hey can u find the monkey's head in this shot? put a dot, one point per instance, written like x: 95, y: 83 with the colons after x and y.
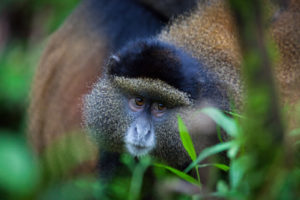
x: 134, y: 105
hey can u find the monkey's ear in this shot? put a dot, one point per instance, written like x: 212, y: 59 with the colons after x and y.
x: 115, y: 58
x: 112, y: 61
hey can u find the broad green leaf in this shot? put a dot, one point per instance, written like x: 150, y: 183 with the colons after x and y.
x: 217, y: 165
x: 233, y: 151
x: 236, y: 173
x: 186, y: 139
x: 208, y: 152
x: 238, y: 168
x: 181, y: 174
x: 227, y: 123
x: 19, y: 171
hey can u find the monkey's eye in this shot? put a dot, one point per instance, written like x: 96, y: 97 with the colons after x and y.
x: 137, y: 104
x: 158, y: 109
x: 139, y: 101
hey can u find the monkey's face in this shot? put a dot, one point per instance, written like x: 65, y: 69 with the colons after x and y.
x: 134, y: 106
x: 126, y: 114
x: 140, y: 136
x: 139, y: 116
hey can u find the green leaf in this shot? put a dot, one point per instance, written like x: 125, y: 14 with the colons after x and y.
x: 227, y: 123
x: 137, y: 177
x: 235, y: 115
x: 208, y: 152
x: 219, y: 133
x: 128, y: 160
x: 19, y: 171
x: 222, y: 187
x: 217, y: 165
x: 186, y: 139
x: 238, y: 169
x: 233, y: 151
x: 222, y: 166
x: 181, y: 174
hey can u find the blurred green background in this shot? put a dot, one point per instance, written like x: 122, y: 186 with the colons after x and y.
x: 25, y: 26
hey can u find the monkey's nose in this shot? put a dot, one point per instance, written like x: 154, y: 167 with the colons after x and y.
x: 142, y: 132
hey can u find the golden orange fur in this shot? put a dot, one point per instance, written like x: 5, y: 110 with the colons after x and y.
x: 286, y: 33
x: 209, y: 34
x: 70, y: 64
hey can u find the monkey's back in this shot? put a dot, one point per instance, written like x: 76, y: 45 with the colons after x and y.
x: 286, y: 33
x: 209, y: 35
x: 71, y: 63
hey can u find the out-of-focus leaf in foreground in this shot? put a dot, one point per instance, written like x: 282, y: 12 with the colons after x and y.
x: 19, y: 172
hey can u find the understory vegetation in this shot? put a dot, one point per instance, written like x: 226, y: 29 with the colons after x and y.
x: 262, y: 160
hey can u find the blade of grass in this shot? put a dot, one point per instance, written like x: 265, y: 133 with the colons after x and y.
x: 186, y: 139
x: 227, y: 123
x: 208, y: 152
x: 188, y: 143
x: 217, y: 165
x: 235, y: 115
x: 219, y: 133
x: 181, y: 174
x: 137, y: 178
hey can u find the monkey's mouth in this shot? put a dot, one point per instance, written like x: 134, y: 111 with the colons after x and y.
x: 138, y: 149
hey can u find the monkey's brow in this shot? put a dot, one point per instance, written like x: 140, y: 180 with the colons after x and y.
x: 153, y: 88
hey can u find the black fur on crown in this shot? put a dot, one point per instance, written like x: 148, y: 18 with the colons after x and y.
x: 154, y: 59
